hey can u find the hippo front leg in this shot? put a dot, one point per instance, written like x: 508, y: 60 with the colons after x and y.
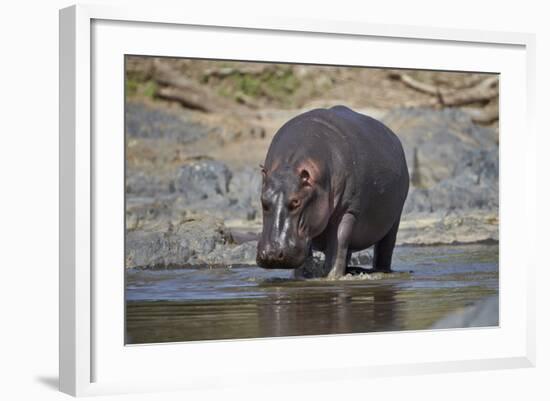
x: 337, y: 253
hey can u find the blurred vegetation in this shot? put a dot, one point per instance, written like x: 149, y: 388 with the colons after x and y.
x: 135, y: 87
x: 219, y: 85
x: 275, y: 84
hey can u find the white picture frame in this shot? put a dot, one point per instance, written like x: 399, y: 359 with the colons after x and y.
x: 93, y: 358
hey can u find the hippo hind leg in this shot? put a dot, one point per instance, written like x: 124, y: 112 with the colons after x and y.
x: 383, y: 250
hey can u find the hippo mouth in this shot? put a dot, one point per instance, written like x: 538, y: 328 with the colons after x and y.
x: 292, y: 260
x: 273, y: 264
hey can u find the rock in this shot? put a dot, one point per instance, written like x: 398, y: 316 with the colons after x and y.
x: 453, y: 162
x: 244, y: 192
x: 241, y: 254
x: 312, y: 268
x: 202, y: 180
x: 241, y: 236
x: 209, y: 186
x: 161, y: 243
x: 142, y: 212
x: 483, y: 313
x: 143, y: 121
x: 361, y: 258
x: 441, y: 140
x: 473, y: 186
x: 189, y: 242
x: 141, y: 184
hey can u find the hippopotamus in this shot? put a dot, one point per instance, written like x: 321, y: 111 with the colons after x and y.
x: 335, y: 181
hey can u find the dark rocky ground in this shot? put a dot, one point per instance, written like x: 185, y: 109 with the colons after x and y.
x: 193, y: 198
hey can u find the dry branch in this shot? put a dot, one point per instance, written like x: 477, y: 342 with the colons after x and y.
x: 419, y: 86
x: 254, y: 69
x: 487, y: 115
x: 185, y: 98
x: 483, y: 91
x: 175, y: 86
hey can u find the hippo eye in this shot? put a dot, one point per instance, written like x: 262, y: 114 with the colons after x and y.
x: 294, y: 204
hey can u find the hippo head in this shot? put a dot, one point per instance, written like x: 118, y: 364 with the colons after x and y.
x: 295, y: 210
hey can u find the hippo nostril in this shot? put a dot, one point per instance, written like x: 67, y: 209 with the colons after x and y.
x: 280, y: 255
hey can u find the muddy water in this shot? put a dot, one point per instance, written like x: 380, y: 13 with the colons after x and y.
x: 247, y: 302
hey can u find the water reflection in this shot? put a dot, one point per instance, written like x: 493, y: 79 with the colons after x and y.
x: 336, y: 310
x: 284, y: 311
x: 249, y: 302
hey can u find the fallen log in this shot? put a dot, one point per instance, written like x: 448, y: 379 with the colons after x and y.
x: 487, y: 115
x: 483, y: 91
x: 173, y: 85
x: 185, y: 98
x: 418, y: 85
x: 253, y: 69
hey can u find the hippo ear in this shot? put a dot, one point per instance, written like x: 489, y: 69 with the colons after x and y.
x: 305, y: 178
x: 262, y: 169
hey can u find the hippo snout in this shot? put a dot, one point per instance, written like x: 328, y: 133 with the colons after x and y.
x: 272, y: 253
x: 273, y: 257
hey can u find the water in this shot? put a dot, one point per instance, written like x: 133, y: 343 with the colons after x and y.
x: 250, y: 302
